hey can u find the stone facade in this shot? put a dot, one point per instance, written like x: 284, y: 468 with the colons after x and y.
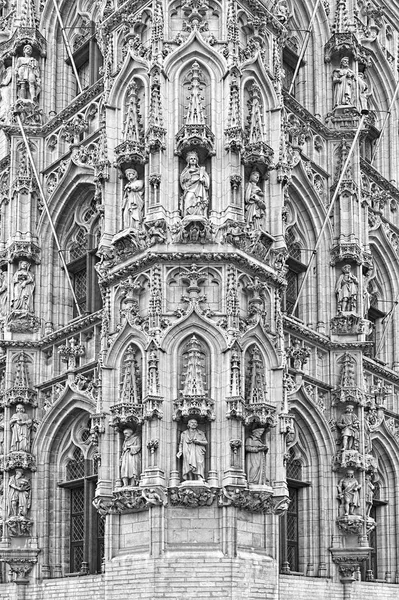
x: 199, y: 237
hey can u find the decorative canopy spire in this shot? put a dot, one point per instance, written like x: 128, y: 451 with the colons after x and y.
x: 195, y: 111
x: 28, y: 14
x: 256, y: 384
x: 21, y: 374
x: 194, y: 378
x: 131, y: 393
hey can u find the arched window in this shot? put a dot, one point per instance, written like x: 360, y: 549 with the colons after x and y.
x: 291, y: 522
x: 86, y: 528
x: 81, y: 245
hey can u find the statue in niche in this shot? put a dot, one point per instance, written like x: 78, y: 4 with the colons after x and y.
x: 369, y: 494
x: 24, y: 285
x: 255, y: 457
x: 193, y: 447
x: 3, y: 294
x: 28, y: 76
x: 346, y: 290
x: 194, y: 181
x: 348, y: 493
x: 344, y: 82
x: 19, y: 494
x: 254, y: 204
x: 131, y: 458
x: 5, y: 90
x: 133, y: 203
x: 21, y: 426
x: 363, y: 91
x: 367, y: 293
x: 349, y: 426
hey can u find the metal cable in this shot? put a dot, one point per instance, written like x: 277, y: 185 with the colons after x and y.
x: 304, y: 46
x: 67, y: 46
x: 46, y: 208
x: 336, y: 192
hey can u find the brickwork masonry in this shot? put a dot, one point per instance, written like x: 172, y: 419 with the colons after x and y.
x: 178, y: 577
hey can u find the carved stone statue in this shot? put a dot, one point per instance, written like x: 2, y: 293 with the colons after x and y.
x: 344, y: 84
x: 131, y: 458
x: 349, y: 426
x: 21, y: 426
x: 19, y: 494
x: 195, y: 183
x: 133, y: 203
x: 255, y: 457
x: 348, y: 493
x: 192, y: 448
x: 24, y: 285
x: 369, y: 494
x: 28, y: 76
x: 3, y: 294
x: 363, y: 91
x: 5, y: 90
x: 254, y: 204
x: 346, y: 290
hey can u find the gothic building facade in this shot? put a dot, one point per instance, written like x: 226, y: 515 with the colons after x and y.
x: 199, y: 239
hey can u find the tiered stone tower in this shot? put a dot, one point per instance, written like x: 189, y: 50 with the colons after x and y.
x: 199, y: 389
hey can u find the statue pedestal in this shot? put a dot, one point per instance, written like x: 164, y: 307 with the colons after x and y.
x: 234, y: 476
x: 153, y: 476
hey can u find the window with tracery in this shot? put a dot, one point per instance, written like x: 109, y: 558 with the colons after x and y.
x: 86, y: 527
x: 81, y: 245
x: 291, y: 522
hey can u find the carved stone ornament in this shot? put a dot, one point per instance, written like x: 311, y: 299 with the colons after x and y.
x: 252, y: 500
x: 19, y: 526
x: 128, y: 500
x: 256, y: 150
x: 298, y: 354
x: 353, y: 524
x: 194, y: 400
x: 133, y: 149
x: 192, y: 495
x: 257, y: 243
x: 15, y: 460
x: 350, y: 324
x: 195, y: 132
x: 20, y: 562
x: 70, y: 352
x: 21, y: 392
x: 126, y: 415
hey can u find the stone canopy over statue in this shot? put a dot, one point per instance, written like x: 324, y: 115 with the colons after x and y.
x: 194, y: 181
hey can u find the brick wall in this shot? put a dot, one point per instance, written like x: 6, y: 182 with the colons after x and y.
x: 181, y: 577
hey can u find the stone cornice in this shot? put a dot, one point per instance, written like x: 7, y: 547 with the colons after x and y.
x: 76, y: 325
x: 378, y: 178
x: 307, y: 116
x: 292, y: 324
x: 147, y: 259
x: 75, y: 106
x: 378, y: 369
